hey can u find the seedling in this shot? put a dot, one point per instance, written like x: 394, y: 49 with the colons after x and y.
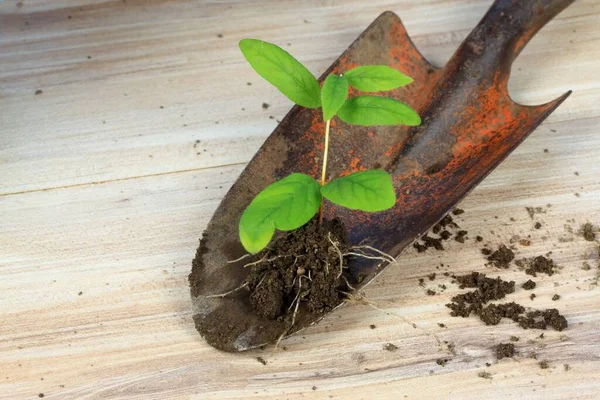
x: 294, y: 200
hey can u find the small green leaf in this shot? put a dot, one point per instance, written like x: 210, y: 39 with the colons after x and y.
x: 375, y: 78
x: 333, y: 95
x: 283, y: 71
x: 372, y: 111
x: 285, y: 205
x: 366, y: 190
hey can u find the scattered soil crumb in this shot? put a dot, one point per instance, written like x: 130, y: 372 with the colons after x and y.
x: 541, y: 264
x: 372, y: 326
x: 261, y: 360
x: 529, y: 285
x: 544, y: 364
x: 479, y: 238
x: 430, y: 292
x: 441, y: 325
x: 586, y: 266
x: 502, y: 257
x: 525, y: 242
x: 514, y: 338
x: 431, y: 276
x: 390, y: 347
x: 587, y: 230
x: 556, y: 297
x: 567, y: 367
x: 458, y: 211
x: 38, y: 92
x: 442, y: 361
x: 532, y: 296
x: 265, y: 106
x: 505, y: 350
x: 535, y: 210
x: 428, y: 242
x: 41, y: 395
x: 495, y: 289
x: 314, y: 388
x: 460, y: 236
x: 486, y: 252
x: 485, y: 375
x: 537, y: 225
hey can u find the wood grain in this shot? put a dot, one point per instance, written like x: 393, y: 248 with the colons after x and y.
x: 103, y: 195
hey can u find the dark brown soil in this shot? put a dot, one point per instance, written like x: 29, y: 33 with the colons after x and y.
x: 487, y: 289
x: 502, y: 257
x: 556, y: 297
x: 505, y: 350
x: 442, y: 229
x: 587, y: 230
x: 261, y: 360
x: 495, y: 289
x: 529, y: 285
x: 540, y: 264
x: 304, y: 266
x: 544, y: 364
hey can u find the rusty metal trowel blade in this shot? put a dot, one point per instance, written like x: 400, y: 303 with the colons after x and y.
x: 469, y: 126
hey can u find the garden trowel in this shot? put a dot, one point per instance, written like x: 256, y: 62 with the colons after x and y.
x: 469, y: 125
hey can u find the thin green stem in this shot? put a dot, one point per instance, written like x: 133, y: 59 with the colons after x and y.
x: 324, y: 168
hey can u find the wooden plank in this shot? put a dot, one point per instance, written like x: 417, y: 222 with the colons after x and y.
x: 85, y: 209
x: 106, y: 71
x: 126, y: 247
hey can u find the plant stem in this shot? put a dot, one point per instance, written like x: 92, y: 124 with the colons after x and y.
x: 324, y: 168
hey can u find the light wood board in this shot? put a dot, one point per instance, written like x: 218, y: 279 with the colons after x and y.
x: 146, y: 118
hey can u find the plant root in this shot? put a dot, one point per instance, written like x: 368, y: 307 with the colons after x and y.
x: 243, y: 285
x: 361, y: 299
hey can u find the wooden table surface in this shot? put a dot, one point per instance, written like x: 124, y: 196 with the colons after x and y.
x: 143, y: 119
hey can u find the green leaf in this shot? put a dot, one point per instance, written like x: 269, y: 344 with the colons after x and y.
x: 333, y: 95
x: 366, y: 190
x: 375, y: 78
x: 372, y: 111
x: 283, y: 71
x: 285, y: 205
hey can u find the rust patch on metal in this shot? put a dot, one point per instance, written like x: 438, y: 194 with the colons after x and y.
x: 470, y: 125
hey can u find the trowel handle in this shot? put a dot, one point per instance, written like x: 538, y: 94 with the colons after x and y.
x: 506, y: 28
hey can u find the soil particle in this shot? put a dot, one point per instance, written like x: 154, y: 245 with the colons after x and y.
x: 38, y: 92
x: 587, y: 230
x: 529, y: 285
x: 372, y: 326
x: 502, y: 257
x: 487, y: 289
x: 390, y: 347
x: 555, y: 297
x: 532, y: 296
x: 458, y: 211
x: 541, y: 264
x: 534, y: 210
x: 265, y: 106
x: 445, y: 235
x: 514, y: 338
x: 537, y: 225
x: 460, y: 236
x: 441, y: 325
x: 505, y: 350
x: 495, y: 289
x: 430, y: 292
x: 567, y: 367
x: 302, y: 265
x: 544, y: 364
x: 479, y: 238
x: 486, y: 252
x: 525, y: 242
x: 261, y: 360
x: 431, y: 276
x: 441, y: 361
x: 484, y: 375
